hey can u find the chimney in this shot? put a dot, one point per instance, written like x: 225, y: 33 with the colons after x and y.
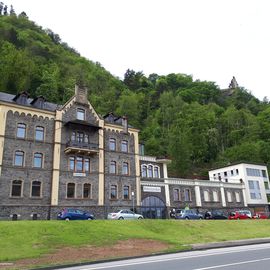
x: 125, y: 124
x: 81, y: 94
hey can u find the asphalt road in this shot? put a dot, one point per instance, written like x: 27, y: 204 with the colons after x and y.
x: 234, y: 258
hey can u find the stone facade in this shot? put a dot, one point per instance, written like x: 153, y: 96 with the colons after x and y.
x: 53, y: 156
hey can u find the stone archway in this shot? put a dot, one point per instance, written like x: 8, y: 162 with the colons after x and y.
x: 153, y: 207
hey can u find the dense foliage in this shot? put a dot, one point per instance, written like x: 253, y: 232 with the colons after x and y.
x: 193, y: 122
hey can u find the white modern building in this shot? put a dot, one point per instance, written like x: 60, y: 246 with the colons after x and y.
x: 254, y: 177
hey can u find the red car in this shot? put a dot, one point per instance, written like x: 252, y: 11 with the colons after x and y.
x: 240, y: 214
x: 260, y: 215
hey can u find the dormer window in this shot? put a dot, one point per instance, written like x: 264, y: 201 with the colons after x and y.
x: 81, y: 114
x: 21, y: 98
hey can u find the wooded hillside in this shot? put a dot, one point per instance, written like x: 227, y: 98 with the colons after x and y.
x: 193, y: 122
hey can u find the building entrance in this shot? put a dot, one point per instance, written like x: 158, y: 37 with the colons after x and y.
x: 153, y: 207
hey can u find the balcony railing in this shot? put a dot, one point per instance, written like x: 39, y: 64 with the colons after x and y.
x: 81, y: 147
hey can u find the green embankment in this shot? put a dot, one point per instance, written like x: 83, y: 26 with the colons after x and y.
x: 28, y: 239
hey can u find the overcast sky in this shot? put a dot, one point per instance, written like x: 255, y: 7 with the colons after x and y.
x: 209, y: 39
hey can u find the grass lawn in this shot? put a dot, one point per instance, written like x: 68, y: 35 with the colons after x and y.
x: 29, y: 239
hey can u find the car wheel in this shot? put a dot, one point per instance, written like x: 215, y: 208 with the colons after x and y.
x: 200, y: 218
x: 186, y: 218
x: 67, y: 218
x: 121, y: 218
x: 238, y: 218
x: 139, y: 217
x: 89, y: 218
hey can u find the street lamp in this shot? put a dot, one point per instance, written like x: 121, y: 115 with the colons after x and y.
x: 132, y: 195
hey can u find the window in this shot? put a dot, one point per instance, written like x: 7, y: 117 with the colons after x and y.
x: 126, y: 193
x: 72, y: 163
x: 113, y: 167
x: 255, y: 192
x: 214, y: 175
x: 70, y: 190
x: 206, y: 196
x: 237, y: 197
x: 225, y: 173
x: 187, y: 195
x: 253, y: 172
x: 21, y: 130
x: 150, y: 171
x: 144, y: 171
x: 229, y: 196
x: 176, y: 194
x: 125, y: 168
x: 113, y: 192
x: 266, y: 185
x: 19, y: 158
x: 38, y: 159
x: 264, y: 173
x: 215, y: 196
x: 86, y: 164
x: 156, y: 172
x: 80, y: 114
x: 86, y: 191
x: 124, y: 146
x: 79, y: 137
x: 16, y: 189
x: 39, y: 135
x: 73, y: 136
x: 79, y: 164
x: 237, y: 171
x: 86, y: 138
x: 112, y: 145
x: 231, y: 172
x: 36, y: 189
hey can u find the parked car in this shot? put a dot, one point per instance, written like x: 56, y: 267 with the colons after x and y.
x: 124, y: 214
x: 240, y: 214
x: 260, y: 215
x: 215, y: 214
x: 187, y: 214
x: 74, y: 214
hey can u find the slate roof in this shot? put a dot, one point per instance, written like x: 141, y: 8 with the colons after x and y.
x: 47, y: 105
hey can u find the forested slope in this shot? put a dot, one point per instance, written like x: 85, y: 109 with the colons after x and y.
x: 193, y: 122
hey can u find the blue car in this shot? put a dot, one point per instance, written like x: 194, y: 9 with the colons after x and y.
x: 74, y: 214
x: 187, y: 214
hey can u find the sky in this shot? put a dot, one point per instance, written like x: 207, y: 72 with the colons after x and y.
x: 208, y: 39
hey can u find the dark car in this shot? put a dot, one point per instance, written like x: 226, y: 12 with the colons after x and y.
x: 215, y: 214
x: 74, y: 214
x: 187, y: 214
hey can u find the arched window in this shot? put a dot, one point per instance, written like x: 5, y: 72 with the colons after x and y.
x: 156, y: 172
x: 176, y: 194
x: 112, y: 144
x: 150, y: 171
x: 39, y: 133
x: 16, y: 188
x: 87, y: 191
x: 144, y: 171
x: 113, y: 192
x: 206, y: 196
x: 126, y: 193
x: 237, y: 197
x: 21, y: 130
x: 19, y: 158
x: 125, y: 168
x: 36, y: 189
x: 70, y: 190
x: 38, y: 160
x: 229, y: 196
x: 124, y: 146
x: 113, y: 167
x: 215, y: 196
x: 187, y: 195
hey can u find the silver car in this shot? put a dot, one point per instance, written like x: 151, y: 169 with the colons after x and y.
x: 124, y: 214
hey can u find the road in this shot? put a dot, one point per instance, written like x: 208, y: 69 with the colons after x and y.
x: 233, y: 258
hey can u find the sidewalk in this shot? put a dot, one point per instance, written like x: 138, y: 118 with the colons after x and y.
x: 231, y: 243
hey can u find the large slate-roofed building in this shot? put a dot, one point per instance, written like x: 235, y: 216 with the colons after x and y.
x: 56, y: 156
